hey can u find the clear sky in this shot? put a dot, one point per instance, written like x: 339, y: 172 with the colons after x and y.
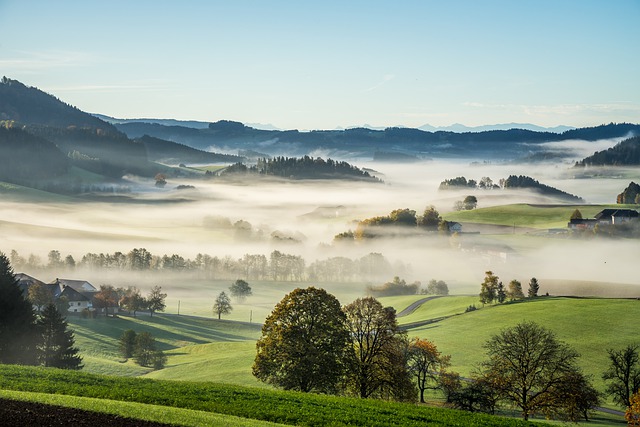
x: 327, y: 64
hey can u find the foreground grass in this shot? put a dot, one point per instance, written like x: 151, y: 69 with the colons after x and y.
x: 245, y: 402
x: 140, y: 411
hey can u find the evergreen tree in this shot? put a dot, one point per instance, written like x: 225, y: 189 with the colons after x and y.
x: 17, y: 331
x: 55, y: 348
x: 534, y: 287
x: 127, y: 343
x: 501, y: 295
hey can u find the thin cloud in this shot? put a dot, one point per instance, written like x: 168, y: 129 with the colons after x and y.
x: 38, y: 61
x: 387, y: 78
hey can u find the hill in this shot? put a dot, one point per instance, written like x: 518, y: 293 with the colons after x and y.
x: 365, y: 142
x: 625, y: 153
x: 173, y: 153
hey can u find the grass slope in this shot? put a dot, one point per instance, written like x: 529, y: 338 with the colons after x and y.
x: 527, y: 215
x: 246, y: 402
x: 140, y: 411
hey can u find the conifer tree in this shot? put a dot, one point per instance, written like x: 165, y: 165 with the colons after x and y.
x: 17, y: 332
x: 56, y: 344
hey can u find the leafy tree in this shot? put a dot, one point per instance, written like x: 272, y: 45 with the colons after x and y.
x: 304, y: 344
x: 427, y: 364
x: 576, y: 214
x: 145, y: 352
x: 623, y: 374
x: 577, y: 398
x: 397, y: 286
x: 528, y: 366
x: 515, y: 290
x: 240, y: 290
x: 155, y: 300
x: 437, y: 287
x: 55, y: 259
x: 222, y: 305
x: 40, y: 295
x: 485, y: 182
x: 403, y: 217
x: 127, y: 343
x: 470, y: 203
x: 632, y: 414
x: 106, y: 298
x: 132, y: 300
x: 488, y: 288
x: 374, y: 333
x: 55, y: 346
x: 430, y: 219
x: 17, y: 319
x: 534, y: 288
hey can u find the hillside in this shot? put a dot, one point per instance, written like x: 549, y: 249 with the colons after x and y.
x: 364, y: 142
x: 625, y: 153
x: 173, y: 153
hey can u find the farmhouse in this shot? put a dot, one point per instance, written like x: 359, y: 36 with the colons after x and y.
x: 604, y: 217
x: 79, y: 293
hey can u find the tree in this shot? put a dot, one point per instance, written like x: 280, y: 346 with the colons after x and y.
x: 427, y: 364
x: 145, y: 352
x: 132, y: 300
x: 240, y: 290
x: 127, y: 343
x: 576, y: 214
x: 437, y: 287
x: 106, y: 298
x: 632, y: 414
x: 488, y: 288
x: 222, y: 305
x: 374, y: 332
x: 39, y: 295
x: 430, y: 219
x: 17, y: 319
x: 155, y: 300
x: 304, y: 343
x: 515, y: 290
x: 501, y: 295
x: 534, y: 288
x: 470, y: 203
x: 55, y: 346
x: 623, y: 374
x: 576, y: 397
x: 528, y: 366
x: 55, y: 259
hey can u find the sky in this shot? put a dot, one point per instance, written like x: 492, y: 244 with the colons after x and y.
x: 332, y: 64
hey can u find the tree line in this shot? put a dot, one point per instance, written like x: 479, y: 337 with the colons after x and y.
x: 305, y: 167
x: 276, y: 266
x: 310, y: 343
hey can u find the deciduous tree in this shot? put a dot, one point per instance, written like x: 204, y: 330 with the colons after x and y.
x: 132, y: 300
x: 155, y: 300
x: 55, y: 346
x: 528, y: 366
x: 222, y: 305
x: 40, y: 295
x: 515, y: 290
x: 623, y: 374
x: 488, y: 288
x: 240, y: 290
x: 304, y: 344
x: 427, y: 365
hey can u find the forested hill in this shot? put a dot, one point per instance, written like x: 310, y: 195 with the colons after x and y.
x: 303, y: 168
x: 366, y: 142
x: 29, y: 105
x: 527, y: 182
x: 625, y: 153
x: 160, y: 150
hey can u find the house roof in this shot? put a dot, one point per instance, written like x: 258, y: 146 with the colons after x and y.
x: 25, y: 281
x: 77, y: 285
x: 618, y: 213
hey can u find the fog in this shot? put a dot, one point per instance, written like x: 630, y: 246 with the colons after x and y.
x: 306, y: 215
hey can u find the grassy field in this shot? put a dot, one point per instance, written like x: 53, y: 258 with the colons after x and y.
x: 527, y: 215
x: 293, y: 408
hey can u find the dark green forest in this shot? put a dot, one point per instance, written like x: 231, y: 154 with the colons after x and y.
x: 625, y: 153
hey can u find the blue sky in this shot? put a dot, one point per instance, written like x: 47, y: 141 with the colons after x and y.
x: 328, y: 64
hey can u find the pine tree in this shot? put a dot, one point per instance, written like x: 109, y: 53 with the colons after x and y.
x: 501, y: 295
x: 17, y: 332
x: 56, y: 347
x: 534, y: 287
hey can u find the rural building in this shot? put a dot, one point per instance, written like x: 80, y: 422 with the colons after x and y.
x: 604, y: 217
x: 79, y: 293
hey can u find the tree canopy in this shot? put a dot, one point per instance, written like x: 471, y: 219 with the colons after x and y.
x: 304, y: 343
x: 56, y: 344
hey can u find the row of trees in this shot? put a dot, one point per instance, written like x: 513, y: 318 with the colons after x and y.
x: 30, y: 339
x: 399, y: 286
x: 276, y: 266
x: 492, y: 290
x: 312, y: 344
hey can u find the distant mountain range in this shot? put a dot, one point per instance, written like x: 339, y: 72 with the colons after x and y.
x: 69, y: 138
